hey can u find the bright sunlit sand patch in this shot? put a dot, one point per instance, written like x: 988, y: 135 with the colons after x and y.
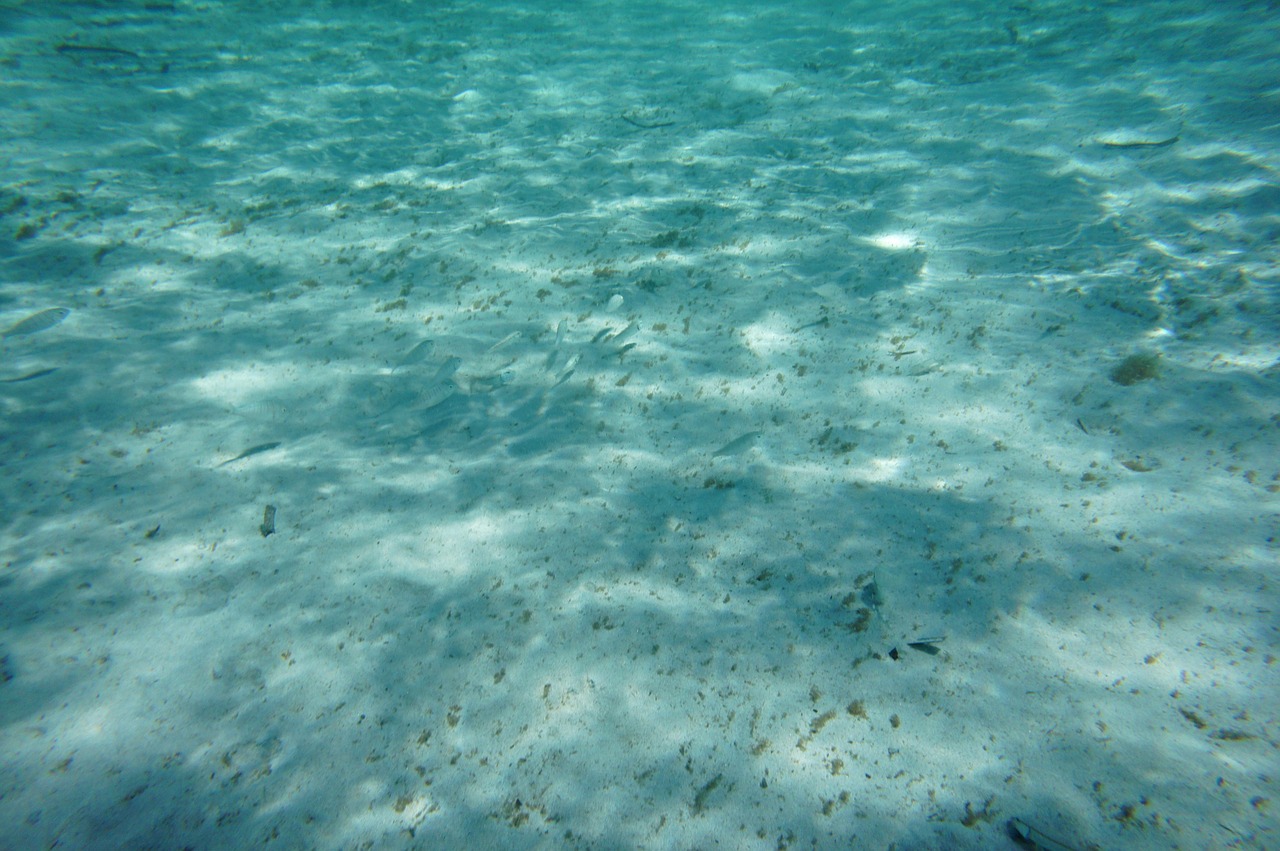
x: 881, y: 470
x: 768, y: 338
x: 240, y: 387
x: 896, y: 241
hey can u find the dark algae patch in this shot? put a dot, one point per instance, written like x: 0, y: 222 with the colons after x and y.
x: 816, y: 725
x: 1135, y: 368
x: 268, y: 525
x: 700, y: 798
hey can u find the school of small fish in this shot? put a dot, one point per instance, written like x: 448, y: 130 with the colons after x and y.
x: 421, y: 382
x: 440, y: 386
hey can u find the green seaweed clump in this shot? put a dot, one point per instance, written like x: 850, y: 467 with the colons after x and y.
x: 1135, y: 368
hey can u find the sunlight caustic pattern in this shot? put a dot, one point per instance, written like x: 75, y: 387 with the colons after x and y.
x: 849, y: 425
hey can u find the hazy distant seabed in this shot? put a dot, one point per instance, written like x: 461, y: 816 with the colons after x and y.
x: 669, y: 425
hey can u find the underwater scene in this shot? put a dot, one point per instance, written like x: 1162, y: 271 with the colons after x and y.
x: 664, y: 425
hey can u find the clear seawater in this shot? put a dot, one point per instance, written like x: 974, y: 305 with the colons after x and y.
x: 639, y: 425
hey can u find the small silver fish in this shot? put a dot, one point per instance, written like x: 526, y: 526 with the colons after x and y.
x: 433, y: 395
x: 514, y: 335
x: 262, y: 447
x: 39, y: 373
x: 737, y: 445
x: 1036, y: 839
x: 419, y: 353
x: 485, y: 383
x: 624, y: 335
x: 36, y: 322
x: 447, y: 369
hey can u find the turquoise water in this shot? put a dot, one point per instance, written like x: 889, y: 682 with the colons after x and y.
x: 613, y: 425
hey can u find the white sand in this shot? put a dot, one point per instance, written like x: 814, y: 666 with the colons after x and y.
x: 906, y: 242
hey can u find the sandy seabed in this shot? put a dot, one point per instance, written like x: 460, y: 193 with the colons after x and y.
x: 666, y: 425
